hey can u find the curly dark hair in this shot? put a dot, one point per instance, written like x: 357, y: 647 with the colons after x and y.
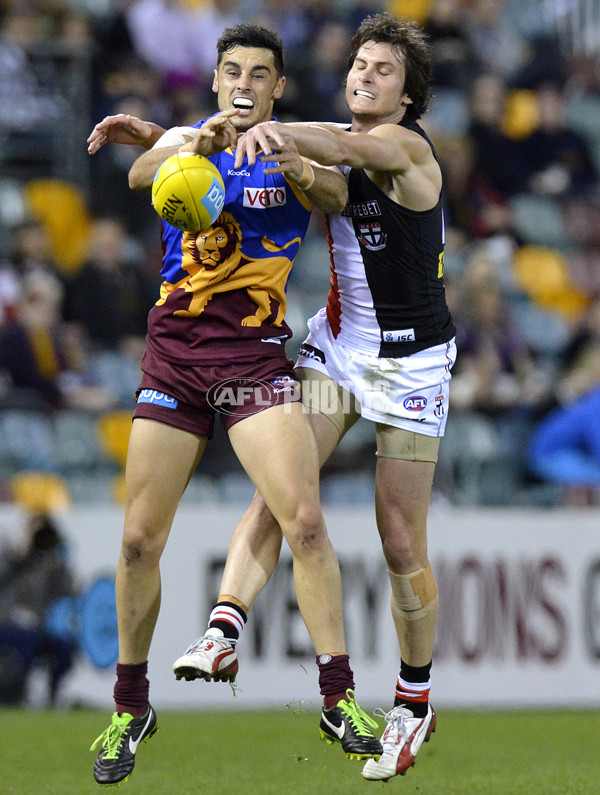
x: 247, y: 35
x: 410, y: 39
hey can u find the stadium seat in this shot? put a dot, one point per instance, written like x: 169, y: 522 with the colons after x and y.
x: 40, y: 492
x: 92, y: 487
x: 583, y: 114
x: 348, y: 489
x: 480, y: 461
x: 113, y: 430
x: 77, y: 443
x: 27, y: 440
x: 116, y: 373
x: 544, y: 331
x: 521, y: 117
x: 236, y: 488
x: 544, y: 275
x: 538, y: 220
x: 202, y: 489
x: 13, y: 206
x: 311, y: 267
x: 415, y: 9
x: 448, y: 116
x: 61, y: 207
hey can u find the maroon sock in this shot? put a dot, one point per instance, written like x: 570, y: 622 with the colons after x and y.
x: 131, y: 689
x: 335, y: 677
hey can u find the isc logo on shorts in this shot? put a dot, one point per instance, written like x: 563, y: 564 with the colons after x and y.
x: 400, y: 335
x: 158, y: 398
x: 415, y: 403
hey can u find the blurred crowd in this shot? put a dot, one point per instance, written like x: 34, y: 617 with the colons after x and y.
x: 37, y: 631
x: 516, y: 120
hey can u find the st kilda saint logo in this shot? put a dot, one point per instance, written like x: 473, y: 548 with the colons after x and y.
x: 371, y: 236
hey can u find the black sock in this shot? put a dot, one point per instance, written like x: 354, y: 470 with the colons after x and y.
x: 229, y: 618
x: 412, y: 688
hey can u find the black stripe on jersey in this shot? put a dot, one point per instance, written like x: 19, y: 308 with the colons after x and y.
x: 401, y: 251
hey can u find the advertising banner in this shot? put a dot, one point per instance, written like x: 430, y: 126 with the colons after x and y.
x: 519, y: 620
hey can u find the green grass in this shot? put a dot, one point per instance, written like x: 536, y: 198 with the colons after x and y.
x: 279, y: 753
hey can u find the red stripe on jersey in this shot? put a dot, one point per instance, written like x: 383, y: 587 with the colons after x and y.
x: 334, y: 306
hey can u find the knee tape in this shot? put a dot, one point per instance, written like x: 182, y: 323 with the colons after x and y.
x: 414, y: 595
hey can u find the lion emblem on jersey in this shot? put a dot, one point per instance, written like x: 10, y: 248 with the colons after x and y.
x: 218, y: 245
x: 215, y: 263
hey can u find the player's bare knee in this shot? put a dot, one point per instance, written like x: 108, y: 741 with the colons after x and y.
x: 310, y: 518
x: 139, y: 548
x: 132, y: 553
x: 307, y: 530
x: 414, y: 595
x: 399, y: 553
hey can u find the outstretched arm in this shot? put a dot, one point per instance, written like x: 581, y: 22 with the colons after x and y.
x: 123, y: 129
x: 398, y: 160
x: 216, y: 134
x: 324, y: 187
x: 387, y: 147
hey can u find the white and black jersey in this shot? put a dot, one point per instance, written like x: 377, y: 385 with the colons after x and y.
x: 387, y: 292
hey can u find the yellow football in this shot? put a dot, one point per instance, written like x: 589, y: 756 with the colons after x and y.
x: 188, y: 192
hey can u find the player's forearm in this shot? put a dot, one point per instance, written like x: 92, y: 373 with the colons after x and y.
x: 320, y: 142
x: 391, y: 149
x: 156, y: 132
x: 328, y: 192
x: 145, y: 167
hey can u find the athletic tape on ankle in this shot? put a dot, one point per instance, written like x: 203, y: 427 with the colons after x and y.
x: 414, y: 595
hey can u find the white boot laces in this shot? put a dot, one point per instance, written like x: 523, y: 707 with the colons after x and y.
x: 396, y: 728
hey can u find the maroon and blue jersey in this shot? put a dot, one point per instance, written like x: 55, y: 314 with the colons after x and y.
x: 226, y: 285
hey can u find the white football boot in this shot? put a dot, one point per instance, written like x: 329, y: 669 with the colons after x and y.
x: 401, y: 740
x: 211, y: 657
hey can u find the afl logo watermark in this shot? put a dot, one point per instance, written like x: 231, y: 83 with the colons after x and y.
x: 239, y: 396
x: 246, y: 396
x: 415, y: 403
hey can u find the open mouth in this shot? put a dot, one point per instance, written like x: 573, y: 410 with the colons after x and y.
x: 366, y: 94
x: 243, y: 103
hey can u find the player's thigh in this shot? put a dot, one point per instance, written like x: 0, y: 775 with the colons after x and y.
x: 160, y: 461
x: 277, y: 448
x: 404, y: 478
x: 332, y: 410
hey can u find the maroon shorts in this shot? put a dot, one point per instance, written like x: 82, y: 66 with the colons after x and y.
x: 189, y: 396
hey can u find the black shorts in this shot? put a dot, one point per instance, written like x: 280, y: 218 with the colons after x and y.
x: 189, y: 397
